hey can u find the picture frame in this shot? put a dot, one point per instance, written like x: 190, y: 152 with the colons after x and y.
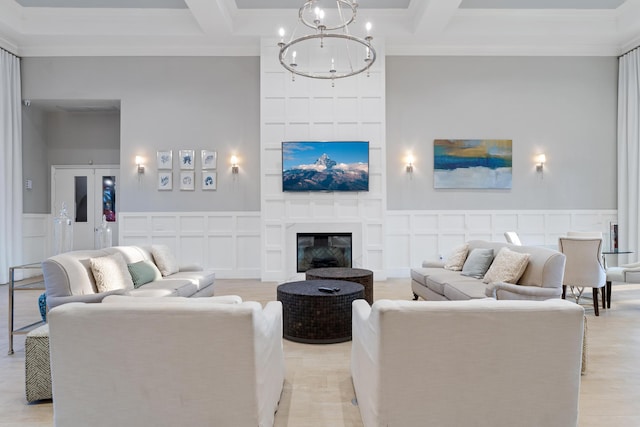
x: 209, y: 159
x: 187, y: 181
x: 165, y: 181
x: 187, y: 159
x: 164, y: 159
x: 209, y: 181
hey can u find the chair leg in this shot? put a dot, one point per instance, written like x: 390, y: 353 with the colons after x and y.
x: 564, y: 291
x: 595, y: 301
x: 415, y: 296
x: 608, y: 286
x: 604, y: 297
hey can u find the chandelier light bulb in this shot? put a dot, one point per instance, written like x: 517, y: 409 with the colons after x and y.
x: 368, y: 27
x: 293, y: 56
x: 281, y: 32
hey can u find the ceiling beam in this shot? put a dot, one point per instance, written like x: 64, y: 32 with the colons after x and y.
x: 213, y: 17
x: 433, y: 16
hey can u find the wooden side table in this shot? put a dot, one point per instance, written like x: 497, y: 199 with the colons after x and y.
x: 356, y: 275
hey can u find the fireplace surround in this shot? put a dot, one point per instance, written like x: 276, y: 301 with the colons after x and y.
x: 321, y: 250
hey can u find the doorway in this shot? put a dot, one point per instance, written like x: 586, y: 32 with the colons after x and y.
x: 88, y: 193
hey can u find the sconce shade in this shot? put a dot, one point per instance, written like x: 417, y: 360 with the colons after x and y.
x: 234, y: 164
x: 139, y: 161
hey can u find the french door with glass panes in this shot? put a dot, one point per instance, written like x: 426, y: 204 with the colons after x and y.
x: 88, y: 193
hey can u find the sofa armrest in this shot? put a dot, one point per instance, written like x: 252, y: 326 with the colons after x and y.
x: 88, y: 298
x: 433, y: 264
x: 501, y: 290
x: 190, y: 267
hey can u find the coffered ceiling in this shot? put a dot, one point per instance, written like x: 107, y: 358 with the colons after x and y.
x: 235, y: 27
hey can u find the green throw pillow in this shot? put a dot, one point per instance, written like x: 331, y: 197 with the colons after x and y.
x: 143, y: 272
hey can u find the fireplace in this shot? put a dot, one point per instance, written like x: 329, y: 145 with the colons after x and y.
x: 319, y: 250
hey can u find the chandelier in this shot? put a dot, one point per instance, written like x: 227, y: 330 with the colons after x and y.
x: 330, y: 51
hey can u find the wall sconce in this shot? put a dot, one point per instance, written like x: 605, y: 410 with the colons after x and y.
x: 409, y: 166
x: 540, y: 160
x: 139, y: 161
x: 234, y: 164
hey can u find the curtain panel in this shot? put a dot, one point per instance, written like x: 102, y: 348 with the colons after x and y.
x: 629, y: 151
x: 10, y: 164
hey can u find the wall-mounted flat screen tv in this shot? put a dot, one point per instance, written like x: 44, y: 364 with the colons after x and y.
x: 325, y: 166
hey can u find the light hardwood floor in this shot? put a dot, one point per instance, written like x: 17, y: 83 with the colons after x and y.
x: 318, y: 391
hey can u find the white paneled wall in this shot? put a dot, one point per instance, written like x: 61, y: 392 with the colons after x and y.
x: 227, y: 242
x: 414, y: 236
x: 312, y: 110
x: 36, y: 241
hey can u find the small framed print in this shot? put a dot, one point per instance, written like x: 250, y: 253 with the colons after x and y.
x: 165, y: 159
x: 209, y: 180
x: 187, y: 181
x: 187, y: 160
x: 209, y: 159
x: 165, y: 180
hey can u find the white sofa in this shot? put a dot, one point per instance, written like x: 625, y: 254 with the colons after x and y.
x: 166, y: 362
x: 467, y: 363
x: 542, y: 278
x: 68, y: 277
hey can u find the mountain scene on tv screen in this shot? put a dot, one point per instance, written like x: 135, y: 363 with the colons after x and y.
x: 327, y: 175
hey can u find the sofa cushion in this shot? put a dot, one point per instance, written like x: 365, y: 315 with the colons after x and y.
x: 201, y: 279
x: 420, y: 274
x: 111, y: 272
x: 457, y: 258
x: 477, y: 263
x: 164, y: 259
x: 507, y: 267
x: 166, y: 287
x: 143, y: 272
x: 464, y: 290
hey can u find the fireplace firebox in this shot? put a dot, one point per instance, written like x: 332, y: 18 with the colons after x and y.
x: 321, y: 250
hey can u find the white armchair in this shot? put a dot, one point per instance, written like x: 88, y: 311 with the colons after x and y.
x: 626, y: 273
x: 583, y: 268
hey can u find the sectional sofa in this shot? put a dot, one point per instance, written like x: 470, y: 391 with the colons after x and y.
x: 91, y: 275
x: 540, y: 280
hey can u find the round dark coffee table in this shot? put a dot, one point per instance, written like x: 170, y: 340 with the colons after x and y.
x: 315, y: 317
x: 357, y: 275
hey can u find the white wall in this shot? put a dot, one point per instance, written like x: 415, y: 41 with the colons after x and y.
x: 563, y: 107
x: 308, y: 109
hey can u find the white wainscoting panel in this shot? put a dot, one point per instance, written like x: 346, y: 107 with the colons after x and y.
x: 227, y: 242
x: 36, y: 243
x: 312, y: 110
x: 415, y: 236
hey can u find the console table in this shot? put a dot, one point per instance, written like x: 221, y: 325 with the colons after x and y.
x: 32, y: 286
x: 356, y: 275
x: 315, y: 317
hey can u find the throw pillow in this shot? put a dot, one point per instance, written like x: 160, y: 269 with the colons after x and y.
x: 457, y: 258
x: 477, y: 263
x: 110, y: 273
x: 164, y: 259
x: 143, y: 272
x: 507, y: 267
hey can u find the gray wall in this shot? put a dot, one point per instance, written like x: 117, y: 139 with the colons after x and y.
x: 563, y: 107
x: 83, y: 138
x: 34, y: 161
x: 168, y: 103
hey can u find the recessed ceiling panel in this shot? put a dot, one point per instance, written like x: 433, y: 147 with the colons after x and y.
x: 541, y: 4
x: 106, y: 4
x: 296, y: 4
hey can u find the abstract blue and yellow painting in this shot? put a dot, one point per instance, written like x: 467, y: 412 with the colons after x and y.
x: 472, y: 163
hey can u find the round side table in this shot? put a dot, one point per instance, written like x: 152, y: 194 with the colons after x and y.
x: 356, y: 275
x: 315, y: 317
